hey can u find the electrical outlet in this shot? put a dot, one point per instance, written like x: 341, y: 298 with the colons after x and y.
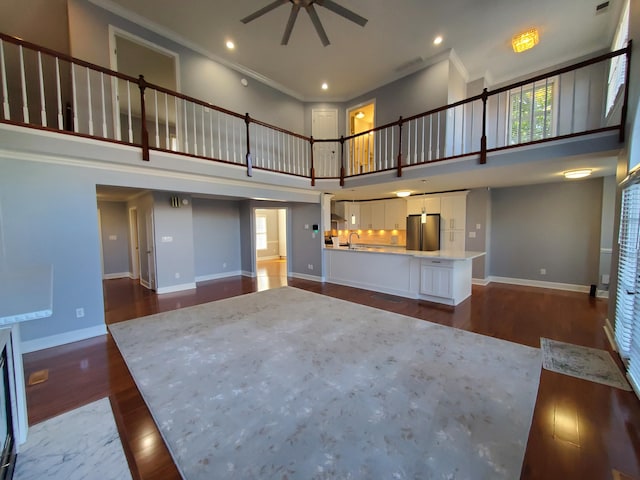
x: 310, y: 266
x: 478, y: 226
x: 543, y: 271
x: 224, y: 265
x: 79, y: 312
x: 472, y: 234
x: 177, y: 275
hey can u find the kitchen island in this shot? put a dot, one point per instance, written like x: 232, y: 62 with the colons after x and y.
x: 440, y: 276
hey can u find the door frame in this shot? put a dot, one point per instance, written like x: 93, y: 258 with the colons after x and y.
x: 351, y: 108
x: 254, y: 251
x: 113, y: 65
x: 134, y: 242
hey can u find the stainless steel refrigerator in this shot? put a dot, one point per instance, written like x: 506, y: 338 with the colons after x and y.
x: 423, y: 236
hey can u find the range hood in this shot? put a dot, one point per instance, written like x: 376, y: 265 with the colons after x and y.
x: 337, y: 218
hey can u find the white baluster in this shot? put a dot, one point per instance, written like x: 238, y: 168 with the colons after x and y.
x: 43, y: 107
x: 23, y: 83
x: 415, y: 143
x: 195, y: 130
x: 204, y: 138
x: 409, y: 142
x: 5, y: 95
x: 186, y: 132
x: 226, y: 136
x: 167, y: 143
x: 211, y: 132
x: 177, y: 127
x: 233, y: 138
x: 155, y: 101
x: 129, y: 112
x: 74, y: 91
x: 219, y: 138
x: 59, y: 95
x: 89, y: 105
x: 104, y: 109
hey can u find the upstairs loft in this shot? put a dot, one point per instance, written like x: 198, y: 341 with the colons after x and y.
x: 575, y: 110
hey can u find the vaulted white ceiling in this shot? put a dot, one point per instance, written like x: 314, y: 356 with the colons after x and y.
x: 396, y: 41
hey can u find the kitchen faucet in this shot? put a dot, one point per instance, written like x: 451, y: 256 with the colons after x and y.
x: 349, y: 240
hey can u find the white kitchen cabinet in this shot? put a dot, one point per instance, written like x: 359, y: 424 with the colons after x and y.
x: 453, y: 211
x: 453, y: 219
x: 395, y: 214
x: 430, y: 203
x: 351, y: 213
x: 372, y: 215
x: 326, y: 212
x: 436, y: 280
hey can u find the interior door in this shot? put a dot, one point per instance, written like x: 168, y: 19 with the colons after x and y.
x: 151, y: 251
x: 134, y: 247
x: 326, y: 155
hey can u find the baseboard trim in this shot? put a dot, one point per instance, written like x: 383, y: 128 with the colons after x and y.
x: 270, y: 257
x: 113, y: 276
x: 145, y: 284
x: 541, y: 284
x: 217, y: 276
x: 62, y: 338
x: 244, y: 273
x: 176, y: 288
x: 608, y: 330
x: 304, y: 276
x: 480, y: 281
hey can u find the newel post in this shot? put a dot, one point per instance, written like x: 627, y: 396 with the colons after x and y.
x: 313, y: 170
x: 400, y: 147
x: 342, y: 160
x: 483, y: 139
x: 142, y: 85
x: 247, y: 121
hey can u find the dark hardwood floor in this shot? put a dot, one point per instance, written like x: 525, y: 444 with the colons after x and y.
x: 580, y: 430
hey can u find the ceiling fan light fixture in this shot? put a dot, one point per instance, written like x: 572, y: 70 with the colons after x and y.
x: 525, y: 40
x: 360, y: 115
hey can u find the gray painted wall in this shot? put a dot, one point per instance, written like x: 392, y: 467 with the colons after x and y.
x: 175, y: 257
x: 607, y: 234
x: 246, y: 237
x: 479, y: 213
x: 49, y: 217
x: 305, y: 250
x: 554, y: 226
x: 216, y: 236
x: 115, y: 237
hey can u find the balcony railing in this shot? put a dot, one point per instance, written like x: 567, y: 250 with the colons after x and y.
x: 45, y: 89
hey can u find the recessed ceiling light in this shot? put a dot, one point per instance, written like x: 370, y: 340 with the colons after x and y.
x: 230, y: 45
x: 437, y: 40
x: 585, y: 172
x: 360, y: 115
x: 325, y: 86
x: 403, y: 193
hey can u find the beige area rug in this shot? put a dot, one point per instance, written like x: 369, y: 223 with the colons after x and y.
x: 288, y: 384
x: 82, y: 444
x: 586, y: 363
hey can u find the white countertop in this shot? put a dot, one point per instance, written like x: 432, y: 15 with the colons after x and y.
x: 441, y: 254
x: 26, y: 294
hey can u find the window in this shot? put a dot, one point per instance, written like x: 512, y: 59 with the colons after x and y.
x: 627, y: 327
x: 531, y: 112
x: 261, y: 233
x: 618, y: 67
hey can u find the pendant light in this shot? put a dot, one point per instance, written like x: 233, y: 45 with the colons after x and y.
x: 423, y: 217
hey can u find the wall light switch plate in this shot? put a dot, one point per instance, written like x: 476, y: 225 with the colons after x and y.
x: 167, y: 239
x: 113, y: 237
x: 478, y: 226
x: 472, y: 234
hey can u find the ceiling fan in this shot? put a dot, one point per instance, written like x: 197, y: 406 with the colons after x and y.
x: 313, y: 15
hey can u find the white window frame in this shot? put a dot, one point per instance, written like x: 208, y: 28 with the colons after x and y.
x: 261, y: 232
x: 552, y: 82
x: 618, y: 66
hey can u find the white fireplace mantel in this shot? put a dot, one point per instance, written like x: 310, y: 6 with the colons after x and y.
x: 25, y: 294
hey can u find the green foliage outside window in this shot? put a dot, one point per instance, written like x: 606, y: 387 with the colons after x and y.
x: 531, y: 115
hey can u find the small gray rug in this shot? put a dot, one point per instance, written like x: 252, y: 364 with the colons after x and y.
x: 586, y: 363
x: 288, y: 384
x: 77, y: 445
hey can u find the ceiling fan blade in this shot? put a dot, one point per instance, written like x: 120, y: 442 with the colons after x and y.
x: 342, y: 11
x: 263, y: 10
x: 290, y: 23
x: 313, y: 15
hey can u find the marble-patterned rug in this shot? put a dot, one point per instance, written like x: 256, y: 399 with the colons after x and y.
x: 81, y: 444
x: 290, y: 384
x: 586, y: 363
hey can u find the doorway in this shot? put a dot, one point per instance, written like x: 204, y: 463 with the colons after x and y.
x: 134, y: 245
x: 271, y: 243
x: 361, y: 118
x: 135, y: 56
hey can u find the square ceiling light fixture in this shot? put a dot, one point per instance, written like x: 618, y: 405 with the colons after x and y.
x: 525, y: 40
